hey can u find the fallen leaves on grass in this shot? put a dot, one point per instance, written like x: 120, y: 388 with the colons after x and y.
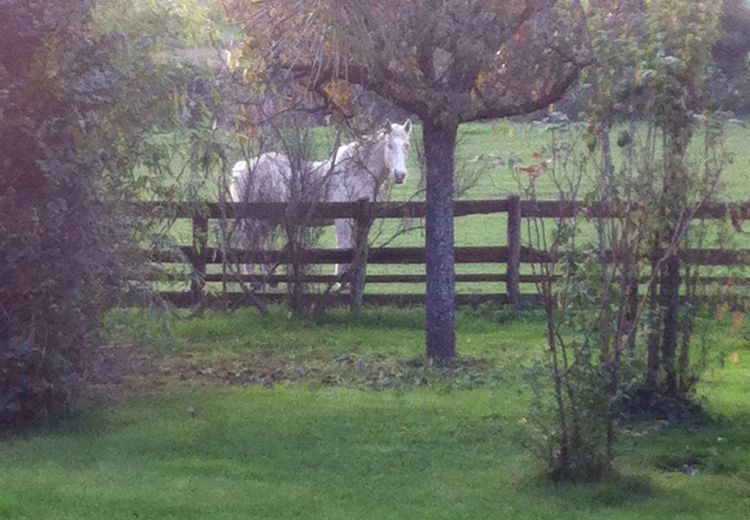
x: 375, y: 371
x: 120, y: 371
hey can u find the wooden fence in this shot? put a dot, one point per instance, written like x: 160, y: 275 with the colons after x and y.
x: 513, y: 254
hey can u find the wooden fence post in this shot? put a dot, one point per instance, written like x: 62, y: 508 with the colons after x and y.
x: 358, y: 267
x: 513, y: 271
x: 199, y: 258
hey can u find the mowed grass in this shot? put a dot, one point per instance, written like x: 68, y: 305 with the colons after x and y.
x: 341, y: 452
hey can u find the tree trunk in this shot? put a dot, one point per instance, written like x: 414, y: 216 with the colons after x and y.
x: 358, y: 269
x: 513, y: 234
x: 676, y: 142
x: 439, y: 148
x: 654, y: 332
x: 605, y: 306
x: 671, y: 293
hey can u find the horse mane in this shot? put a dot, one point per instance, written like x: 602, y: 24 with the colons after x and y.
x: 350, y: 150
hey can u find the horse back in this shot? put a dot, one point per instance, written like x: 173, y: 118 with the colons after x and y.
x: 263, y: 178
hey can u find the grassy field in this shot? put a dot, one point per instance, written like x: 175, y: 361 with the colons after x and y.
x: 374, y: 442
x: 520, y: 141
x: 481, y: 147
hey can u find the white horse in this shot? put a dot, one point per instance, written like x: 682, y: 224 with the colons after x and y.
x: 356, y: 171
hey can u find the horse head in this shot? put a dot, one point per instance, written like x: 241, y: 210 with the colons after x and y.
x: 396, y: 149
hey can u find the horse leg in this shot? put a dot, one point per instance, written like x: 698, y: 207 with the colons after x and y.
x: 269, y: 268
x: 239, y: 241
x: 252, y: 240
x: 344, y: 234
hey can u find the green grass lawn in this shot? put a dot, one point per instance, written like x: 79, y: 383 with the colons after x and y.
x: 451, y: 448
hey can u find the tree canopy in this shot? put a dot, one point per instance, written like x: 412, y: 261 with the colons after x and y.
x: 448, y: 62
x: 461, y: 60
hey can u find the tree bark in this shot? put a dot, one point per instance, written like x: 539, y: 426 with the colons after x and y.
x: 654, y: 334
x: 358, y: 269
x: 671, y: 293
x: 513, y: 234
x: 439, y: 149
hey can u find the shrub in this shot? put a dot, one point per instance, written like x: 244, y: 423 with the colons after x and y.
x: 99, y: 102
x: 34, y: 383
x: 601, y: 329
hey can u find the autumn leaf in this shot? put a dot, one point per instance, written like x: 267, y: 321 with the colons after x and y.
x: 481, y: 81
x: 341, y: 94
x: 737, y: 320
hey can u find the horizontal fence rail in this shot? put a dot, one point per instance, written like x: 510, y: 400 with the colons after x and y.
x: 199, y: 256
x: 416, y: 255
x: 183, y: 299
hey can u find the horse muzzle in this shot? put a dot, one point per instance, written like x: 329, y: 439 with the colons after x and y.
x: 399, y: 177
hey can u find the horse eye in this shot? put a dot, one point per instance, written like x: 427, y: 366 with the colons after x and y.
x: 390, y: 146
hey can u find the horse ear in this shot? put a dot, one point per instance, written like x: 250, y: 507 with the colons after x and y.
x: 407, y: 126
x: 387, y: 126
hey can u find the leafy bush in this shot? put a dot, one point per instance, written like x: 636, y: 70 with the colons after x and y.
x: 607, y: 343
x: 33, y: 383
x: 54, y: 258
x: 76, y: 101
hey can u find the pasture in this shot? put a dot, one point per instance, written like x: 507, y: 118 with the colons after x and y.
x: 486, y: 156
x: 214, y: 428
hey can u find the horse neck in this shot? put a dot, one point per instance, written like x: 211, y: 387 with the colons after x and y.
x: 364, y: 161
